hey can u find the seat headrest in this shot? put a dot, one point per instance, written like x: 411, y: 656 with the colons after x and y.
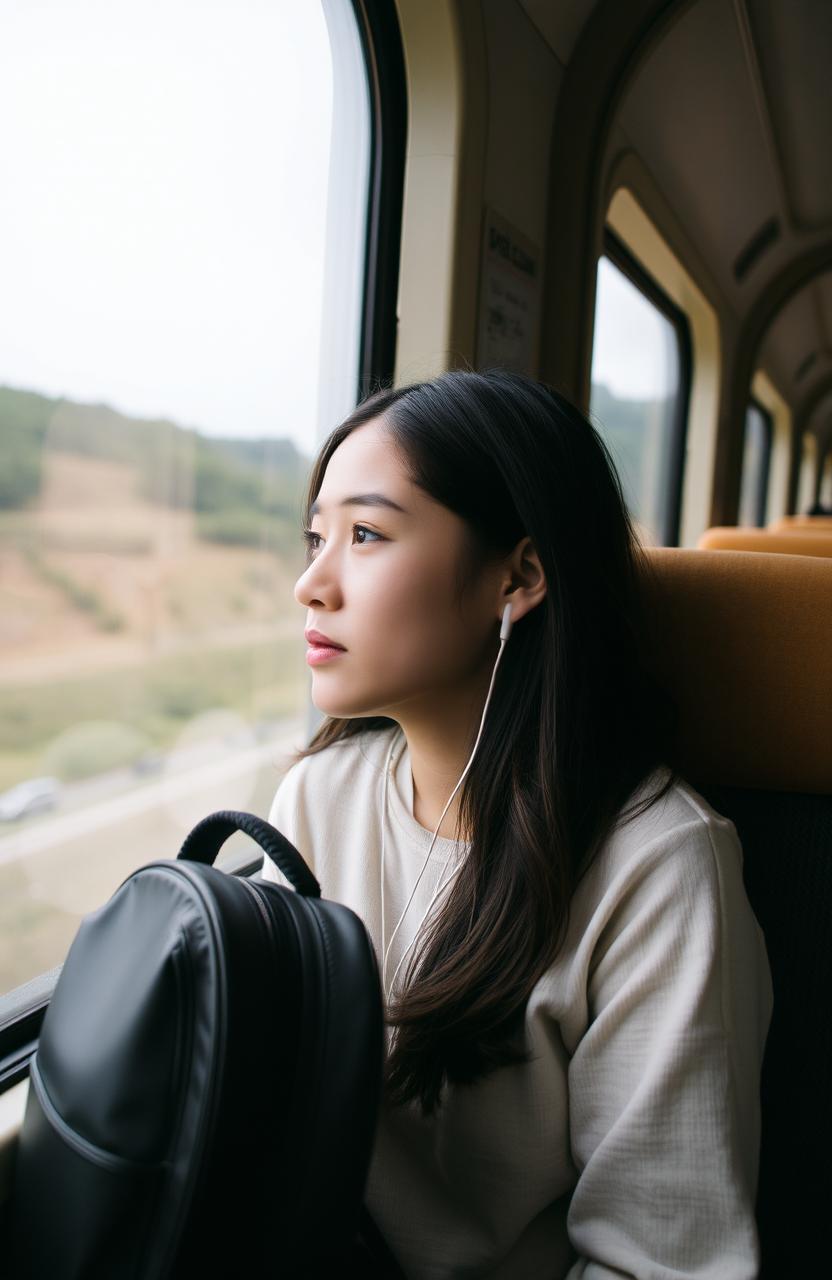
x: 803, y: 524
x: 797, y: 542
x: 743, y: 642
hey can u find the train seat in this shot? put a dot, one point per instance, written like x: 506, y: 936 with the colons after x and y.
x: 802, y: 524
x: 741, y: 538
x: 742, y: 643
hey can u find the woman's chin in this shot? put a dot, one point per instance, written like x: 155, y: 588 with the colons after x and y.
x: 343, y: 708
x: 337, y: 708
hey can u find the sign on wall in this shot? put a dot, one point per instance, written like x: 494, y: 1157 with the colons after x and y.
x: 509, y: 308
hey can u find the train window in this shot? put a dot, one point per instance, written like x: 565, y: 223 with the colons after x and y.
x: 185, y: 193
x: 640, y: 388
x: 756, y: 460
x: 778, y: 417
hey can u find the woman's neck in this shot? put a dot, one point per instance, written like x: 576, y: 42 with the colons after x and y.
x: 440, y: 746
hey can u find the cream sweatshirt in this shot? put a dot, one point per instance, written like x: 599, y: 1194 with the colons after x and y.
x: 628, y: 1145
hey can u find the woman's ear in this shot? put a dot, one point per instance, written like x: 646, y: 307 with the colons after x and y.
x: 524, y: 582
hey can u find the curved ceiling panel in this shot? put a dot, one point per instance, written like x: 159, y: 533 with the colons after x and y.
x: 793, y: 42
x: 692, y: 113
x: 559, y: 24
x: 797, y: 347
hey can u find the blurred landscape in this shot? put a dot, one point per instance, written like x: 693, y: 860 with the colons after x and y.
x: 638, y: 434
x: 146, y: 575
x: 148, y: 633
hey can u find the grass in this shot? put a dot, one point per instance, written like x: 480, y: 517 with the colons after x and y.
x: 83, y: 598
x: 155, y: 699
x: 34, y: 935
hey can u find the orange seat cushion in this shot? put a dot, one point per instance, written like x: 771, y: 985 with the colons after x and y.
x: 802, y: 524
x: 740, y: 538
x: 743, y: 642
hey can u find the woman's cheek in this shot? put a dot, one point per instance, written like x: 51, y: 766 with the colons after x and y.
x: 396, y: 605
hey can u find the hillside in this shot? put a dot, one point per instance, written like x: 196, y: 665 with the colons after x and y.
x: 624, y: 425
x: 230, y: 483
x: 140, y: 564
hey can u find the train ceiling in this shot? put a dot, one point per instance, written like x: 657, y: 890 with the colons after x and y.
x: 729, y: 107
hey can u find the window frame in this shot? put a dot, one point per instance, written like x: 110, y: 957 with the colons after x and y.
x: 761, y: 495
x: 621, y: 257
x: 381, y: 41
x: 22, y: 1010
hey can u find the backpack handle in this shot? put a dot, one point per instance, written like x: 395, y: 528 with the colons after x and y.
x: 208, y: 836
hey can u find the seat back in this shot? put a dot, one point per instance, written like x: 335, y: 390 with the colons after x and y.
x: 795, y: 542
x: 742, y: 642
x: 802, y: 524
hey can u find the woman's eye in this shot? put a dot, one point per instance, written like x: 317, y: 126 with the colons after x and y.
x: 360, y: 535
x: 311, y: 539
x: 360, y: 528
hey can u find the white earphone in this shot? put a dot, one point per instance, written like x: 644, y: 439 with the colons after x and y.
x: 505, y: 632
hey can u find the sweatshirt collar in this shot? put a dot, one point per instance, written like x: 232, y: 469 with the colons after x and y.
x: 400, y: 802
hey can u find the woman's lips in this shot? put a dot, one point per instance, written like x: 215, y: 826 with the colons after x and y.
x: 321, y: 648
x: 318, y: 653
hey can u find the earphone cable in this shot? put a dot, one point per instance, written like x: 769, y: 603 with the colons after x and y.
x: 385, y: 953
x: 383, y: 826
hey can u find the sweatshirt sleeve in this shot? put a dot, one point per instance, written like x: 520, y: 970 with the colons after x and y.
x: 664, y: 1084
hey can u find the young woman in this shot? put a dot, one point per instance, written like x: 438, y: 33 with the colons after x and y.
x: 577, y: 989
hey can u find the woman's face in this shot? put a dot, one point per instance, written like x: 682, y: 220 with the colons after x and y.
x: 382, y: 582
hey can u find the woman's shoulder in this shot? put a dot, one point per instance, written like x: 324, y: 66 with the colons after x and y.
x: 668, y: 831
x: 319, y: 791
x: 669, y: 873
x: 353, y: 761
x: 670, y: 801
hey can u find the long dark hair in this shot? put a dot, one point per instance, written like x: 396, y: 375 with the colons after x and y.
x: 574, y: 725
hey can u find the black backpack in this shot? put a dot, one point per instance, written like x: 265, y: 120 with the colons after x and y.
x: 205, y: 1090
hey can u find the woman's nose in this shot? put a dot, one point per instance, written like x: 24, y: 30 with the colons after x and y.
x: 317, y: 587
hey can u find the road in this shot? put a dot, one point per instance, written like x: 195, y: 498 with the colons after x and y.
x: 211, y: 768
x: 57, y: 868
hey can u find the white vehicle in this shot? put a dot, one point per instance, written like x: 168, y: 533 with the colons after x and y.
x: 35, y: 795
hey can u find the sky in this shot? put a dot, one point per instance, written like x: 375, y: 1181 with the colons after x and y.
x: 162, y: 224
x: 630, y: 347
x: 164, y: 200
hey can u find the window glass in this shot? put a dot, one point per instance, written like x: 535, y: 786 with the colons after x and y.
x: 174, y: 227
x: 636, y: 389
x: 756, y: 458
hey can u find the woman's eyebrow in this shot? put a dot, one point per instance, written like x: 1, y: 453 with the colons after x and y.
x: 361, y: 500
